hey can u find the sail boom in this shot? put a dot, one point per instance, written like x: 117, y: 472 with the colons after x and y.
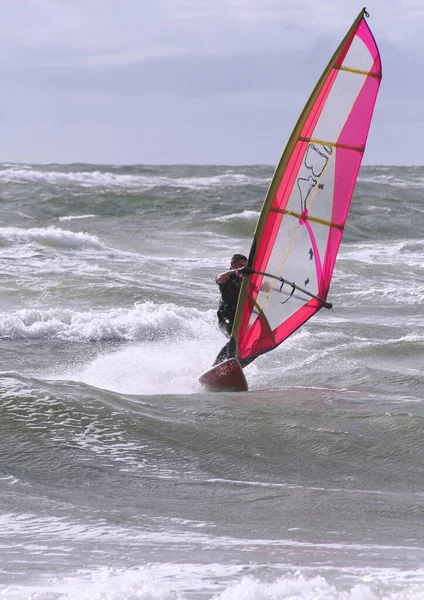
x: 294, y: 286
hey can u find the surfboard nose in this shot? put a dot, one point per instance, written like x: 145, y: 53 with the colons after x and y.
x: 227, y: 376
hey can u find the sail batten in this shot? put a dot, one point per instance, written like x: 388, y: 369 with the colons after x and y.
x: 358, y: 71
x: 307, y: 217
x: 334, y: 144
x: 302, y: 220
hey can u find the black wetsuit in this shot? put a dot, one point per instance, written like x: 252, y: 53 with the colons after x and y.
x: 230, y: 291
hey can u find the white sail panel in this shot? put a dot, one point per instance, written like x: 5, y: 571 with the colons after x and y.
x: 339, y: 103
x: 358, y: 56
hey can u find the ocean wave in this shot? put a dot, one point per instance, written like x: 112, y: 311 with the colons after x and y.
x: 49, y: 236
x: 86, y: 179
x: 224, y: 180
x: 393, y: 181
x: 112, y: 180
x: 172, y: 582
x: 145, y: 321
x: 248, y: 215
x: 402, y: 253
x: 76, y: 217
x: 309, y: 588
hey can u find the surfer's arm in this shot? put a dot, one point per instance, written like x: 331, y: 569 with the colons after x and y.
x: 223, y: 277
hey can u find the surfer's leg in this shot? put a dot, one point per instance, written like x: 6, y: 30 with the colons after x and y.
x: 222, y: 355
x: 225, y: 353
x: 226, y: 327
x: 228, y: 351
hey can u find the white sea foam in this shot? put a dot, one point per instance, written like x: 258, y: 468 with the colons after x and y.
x: 76, y: 217
x: 164, y: 367
x: 393, y: 181
x: 311, y: 588
x: 393, y: 292
x: 111, y: 180
x: 85, y: 179
x: 248, y: 215
x: 399, y: 251
x: 177, y: 344
x: 223, y: 180
x: 212, y: 581
x: 145, y: 321
x: 173, y: 345
x: 49, y: 236
x: 170, y: 345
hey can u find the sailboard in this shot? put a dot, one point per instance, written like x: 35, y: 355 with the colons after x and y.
x: 301, y: 224
x: 227, y: 376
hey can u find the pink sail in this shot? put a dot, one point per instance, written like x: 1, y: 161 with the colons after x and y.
x: 302, y: 220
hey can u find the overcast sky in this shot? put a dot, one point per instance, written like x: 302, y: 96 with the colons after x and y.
x: 192, y: 81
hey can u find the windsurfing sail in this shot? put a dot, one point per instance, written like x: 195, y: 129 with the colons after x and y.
x: 299, y: 231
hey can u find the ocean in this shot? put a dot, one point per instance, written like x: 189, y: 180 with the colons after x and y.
x: 121, y: 478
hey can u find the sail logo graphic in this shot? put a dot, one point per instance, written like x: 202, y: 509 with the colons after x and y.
x: 315, y: 162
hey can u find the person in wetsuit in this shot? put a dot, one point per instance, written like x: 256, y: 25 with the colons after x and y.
x: 229, y: 285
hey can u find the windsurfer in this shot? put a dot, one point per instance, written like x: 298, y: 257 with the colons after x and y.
x: 229, y: 286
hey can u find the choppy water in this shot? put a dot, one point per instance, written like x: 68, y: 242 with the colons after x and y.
x: 120, y: 478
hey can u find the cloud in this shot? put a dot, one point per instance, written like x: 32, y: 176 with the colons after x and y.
x: 106, y: 33
x: 190, y: 80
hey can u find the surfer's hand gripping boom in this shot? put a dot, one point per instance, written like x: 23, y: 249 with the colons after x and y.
x: 249, y: 271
